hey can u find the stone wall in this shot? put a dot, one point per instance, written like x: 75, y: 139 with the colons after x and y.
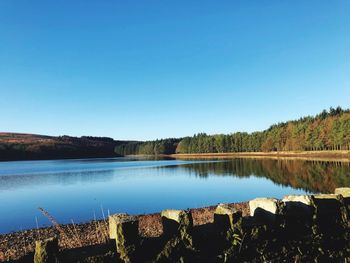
x: 297, y: 228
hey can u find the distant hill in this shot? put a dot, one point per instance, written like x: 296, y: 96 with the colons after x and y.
x: 19, y: 146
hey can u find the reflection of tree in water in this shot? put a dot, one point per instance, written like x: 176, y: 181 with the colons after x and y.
x: 314, y: 176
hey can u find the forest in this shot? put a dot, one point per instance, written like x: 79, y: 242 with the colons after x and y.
x: 19, y: 146
x: 328, y: 130
x: 164, y: 146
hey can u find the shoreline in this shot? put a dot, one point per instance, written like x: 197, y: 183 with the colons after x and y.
x: 341, y: 155
x: 302, y: 155
x: 15, y: 245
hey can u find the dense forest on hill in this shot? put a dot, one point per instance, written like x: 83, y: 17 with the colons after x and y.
x: 329, y: 130
x: 16, y: 146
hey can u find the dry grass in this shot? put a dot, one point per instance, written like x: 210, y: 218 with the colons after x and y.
x: 71, y: 237
x: 18, y: 244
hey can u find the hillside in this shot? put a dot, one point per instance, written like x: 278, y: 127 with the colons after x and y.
x: 18, y: 146
x: 329, y: 130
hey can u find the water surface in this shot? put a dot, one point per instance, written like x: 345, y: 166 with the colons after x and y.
x: 87, y: 188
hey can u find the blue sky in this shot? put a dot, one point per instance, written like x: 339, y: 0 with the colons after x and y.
x: 155, y: 69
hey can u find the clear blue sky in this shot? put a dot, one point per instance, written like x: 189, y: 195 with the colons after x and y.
x: 154, y: 69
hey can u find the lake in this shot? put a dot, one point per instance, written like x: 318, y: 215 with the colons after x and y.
x: 85, y: 189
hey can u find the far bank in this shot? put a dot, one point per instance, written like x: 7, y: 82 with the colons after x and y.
x: 336, y: 155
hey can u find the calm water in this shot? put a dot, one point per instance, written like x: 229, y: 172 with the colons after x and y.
x: 83, y: 189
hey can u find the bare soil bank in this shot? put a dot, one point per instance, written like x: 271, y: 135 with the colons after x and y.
x: 17, y: 244
x: 324, y: 155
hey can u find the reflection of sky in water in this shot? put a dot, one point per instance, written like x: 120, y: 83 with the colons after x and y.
x: 76, y: 189
x: 79, y: 165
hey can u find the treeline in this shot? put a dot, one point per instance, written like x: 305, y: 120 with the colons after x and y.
x: 329, y: 130
x: 165, y: 146
x: 14, y: 146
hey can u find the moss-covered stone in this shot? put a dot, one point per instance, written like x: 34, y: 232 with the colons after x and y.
x: 265, y: 210
x: 176, y: 222
x: 345, y: 193
x: 124, y: 229
x: 46, y: 251
x: 226, y: 217
x: 266, y: 204
x: 298, y: 214
x: 177, y: 229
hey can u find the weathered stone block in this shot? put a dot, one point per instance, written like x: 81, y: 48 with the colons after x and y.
x: 327, y: 203
x: 172, y: 214
x: 175, y: 220
x: 264, y: 209
x: 298, y: 213
x: 46, y: 251
x: 124, y: 229
x: 113, y: 221
x: 178, y: 225
x: 330, y: 213
x: 326, y: 196
x: 298, y: 205
x: 344, y: 191
x: 266, y: 204
x: 226, y: 216
x: 304, y: 199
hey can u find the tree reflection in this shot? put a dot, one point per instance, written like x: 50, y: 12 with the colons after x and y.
x: 313, y: 176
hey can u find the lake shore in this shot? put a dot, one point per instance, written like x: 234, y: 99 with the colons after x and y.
x: 303, y: 155
x: 18, y: 244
